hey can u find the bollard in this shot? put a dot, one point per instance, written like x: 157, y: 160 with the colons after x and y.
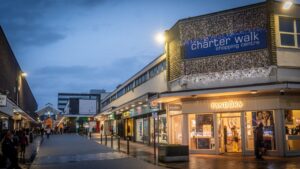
x: 111, y: 141
x: 105, y: 139
x: 128, y: 145
x: 119, y: 143
x: 101, y: 138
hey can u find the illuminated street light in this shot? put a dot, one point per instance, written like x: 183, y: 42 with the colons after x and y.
x: 287, y: 5
x: 160, y: 38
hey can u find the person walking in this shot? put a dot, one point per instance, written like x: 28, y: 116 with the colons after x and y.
x: 9, y: 150
x: 42, y: 132
x: 259, y: 141
x: 23, y: 144
x: 48, y: 132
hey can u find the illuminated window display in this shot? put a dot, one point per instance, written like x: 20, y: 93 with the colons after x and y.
x: 176, y: 129
x: 253, y: 119
x: 129, y: 127
x: 146, y: 130
x: 201, y: 131
x: 139, y: 130
x: 292, y: 129
x: 229, y: 129
x: 162, y: 122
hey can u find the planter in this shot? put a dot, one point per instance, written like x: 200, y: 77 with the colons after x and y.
x: 173, y: 153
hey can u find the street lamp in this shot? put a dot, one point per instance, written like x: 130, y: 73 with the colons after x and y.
x: 287, y: 4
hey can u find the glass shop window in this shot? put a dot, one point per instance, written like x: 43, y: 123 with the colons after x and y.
x: 201, y: 131
x: 176, y: 129
x: 292, y: 129
x: 289, y: 30
x: 253, y: 119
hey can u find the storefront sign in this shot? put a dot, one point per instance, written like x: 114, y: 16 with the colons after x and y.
x: 229, y: 43
x: 232, y: 104
x: 126, y: 114
x: 3, y: 100
x: 175, y: 107
x: 111, y: 116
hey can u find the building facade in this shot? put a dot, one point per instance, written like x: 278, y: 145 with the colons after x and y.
x: 79, y: 109
x: 20, y: 104
x: 128, y: 112
x: 228, y: 72
x: 63, y: 98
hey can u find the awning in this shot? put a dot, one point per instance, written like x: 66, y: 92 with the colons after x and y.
x: 285, y: 87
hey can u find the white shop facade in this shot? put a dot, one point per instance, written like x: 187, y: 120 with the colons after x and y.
x: 221, y: 122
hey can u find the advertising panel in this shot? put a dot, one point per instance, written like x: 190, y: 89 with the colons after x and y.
x: 228, y: 43
x: 3, y: 99
x: 87, y: 106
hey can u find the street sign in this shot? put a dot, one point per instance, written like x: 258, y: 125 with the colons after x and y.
x: 3, y: 100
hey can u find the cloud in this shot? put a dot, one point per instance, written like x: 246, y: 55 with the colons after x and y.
x: 49, y: 80
x: 33, y: 22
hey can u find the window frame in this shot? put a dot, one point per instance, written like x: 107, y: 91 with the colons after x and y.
x: 295, y: 33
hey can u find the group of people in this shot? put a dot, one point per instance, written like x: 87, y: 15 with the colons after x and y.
x: 14, y: 144
x: 48, y: 131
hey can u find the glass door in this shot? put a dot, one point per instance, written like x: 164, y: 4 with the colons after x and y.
x: 230, y: 132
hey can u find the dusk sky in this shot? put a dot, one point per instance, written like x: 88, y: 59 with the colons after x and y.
x: 78, y: 45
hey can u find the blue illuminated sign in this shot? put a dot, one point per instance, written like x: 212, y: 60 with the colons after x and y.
x: 229, y: 43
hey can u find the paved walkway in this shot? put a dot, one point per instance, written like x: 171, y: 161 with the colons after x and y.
x: 71, y: 151
x: 31, y: 151
x: 146, y: 153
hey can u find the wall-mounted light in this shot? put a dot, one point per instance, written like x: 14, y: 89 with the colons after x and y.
x: 253, y: 91
x: 160, y: 38
x: 287, y: 5
x: 24, y: 74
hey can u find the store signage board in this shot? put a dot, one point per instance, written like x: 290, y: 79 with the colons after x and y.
x: 229, y: 43
x: 231, y: 104
x: 3, y: 100
x: 175, y: 107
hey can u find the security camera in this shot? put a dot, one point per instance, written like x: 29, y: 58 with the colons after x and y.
x: 282, y: 92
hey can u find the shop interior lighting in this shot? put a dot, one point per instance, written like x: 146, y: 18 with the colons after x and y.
x: 132, y: 105
x: 140, y: 103
x: 287, y: 5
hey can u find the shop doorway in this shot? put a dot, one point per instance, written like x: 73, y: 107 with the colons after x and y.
x: 230, y: 133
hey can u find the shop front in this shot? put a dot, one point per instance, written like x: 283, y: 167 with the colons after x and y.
x: 227, y: 125
x: 110, y: 125
x: 128, y: 125
x: 139, y: 122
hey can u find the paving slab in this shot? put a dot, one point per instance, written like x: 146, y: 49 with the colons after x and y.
x: 72, y: 151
